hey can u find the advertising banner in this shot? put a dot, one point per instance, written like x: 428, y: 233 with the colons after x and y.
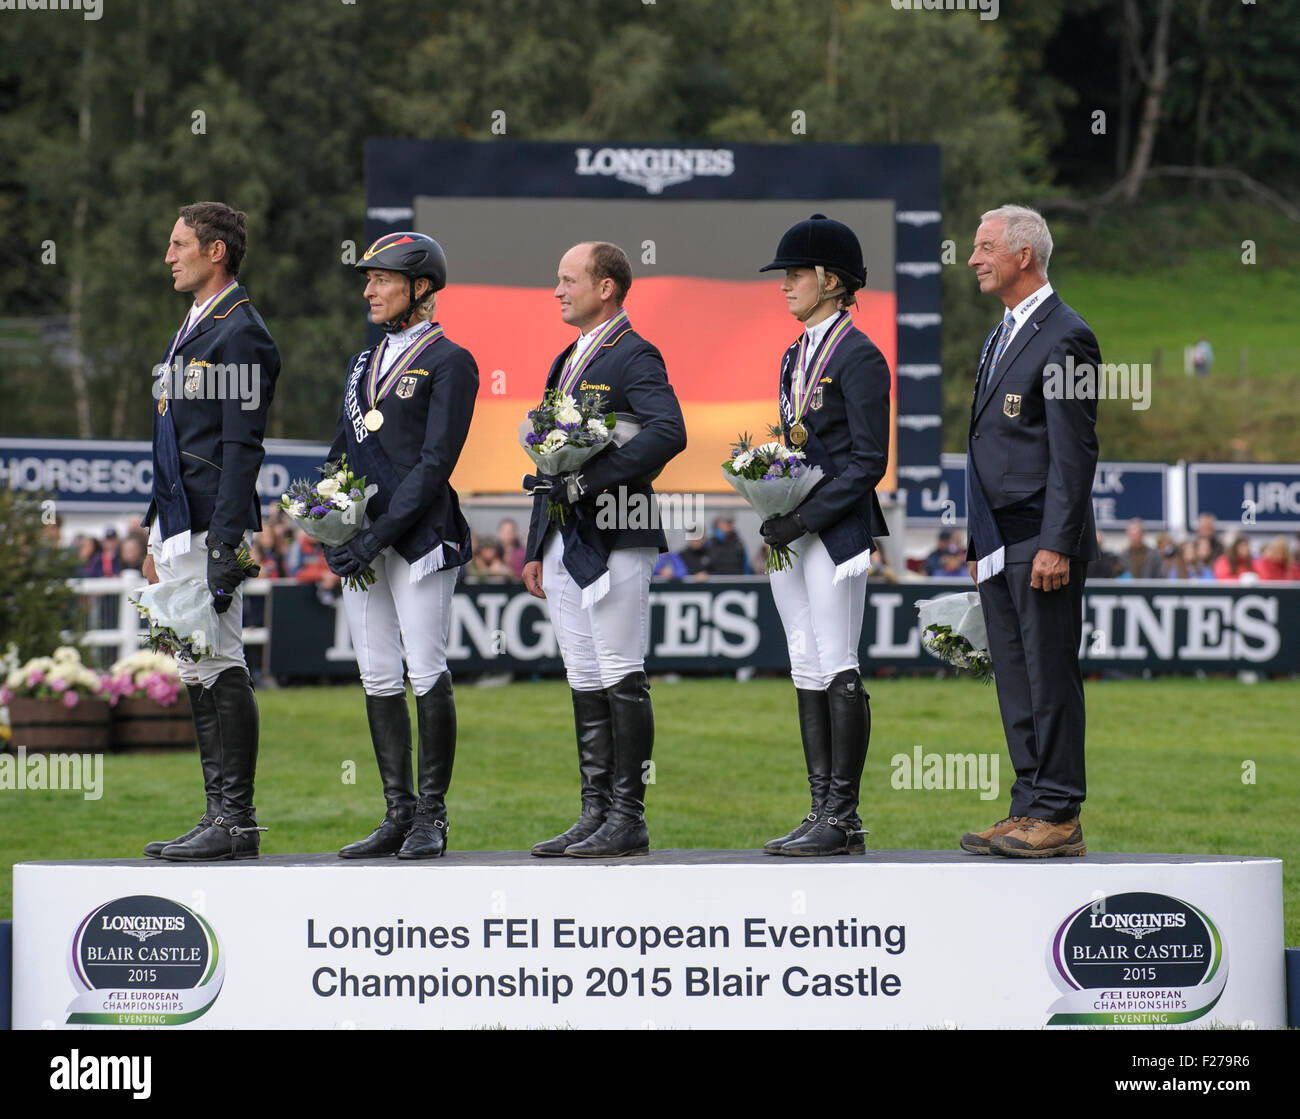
x: 116, y: 475
x: 1250, y: 497
x: 1121, y: 491
x: 722, y: 625
x: 706, y: 939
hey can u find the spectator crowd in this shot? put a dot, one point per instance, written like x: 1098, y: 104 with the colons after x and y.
x: 1203, y: 556
x: 286, y: 553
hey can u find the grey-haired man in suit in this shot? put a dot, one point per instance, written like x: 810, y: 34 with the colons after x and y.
x: 1030, y: 463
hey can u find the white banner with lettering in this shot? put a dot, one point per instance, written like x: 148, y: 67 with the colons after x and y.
x: 896, y: 939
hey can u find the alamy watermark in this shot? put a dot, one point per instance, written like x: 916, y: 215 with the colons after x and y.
x: 83, y: 773
x: 90, y: 9
x: 619, y: 509
x: 1107, y: 381
x: 988, y: 9
x: 922, y: 770
x: 206, y: 380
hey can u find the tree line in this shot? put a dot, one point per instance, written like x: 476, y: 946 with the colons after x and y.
x: 109, y: 125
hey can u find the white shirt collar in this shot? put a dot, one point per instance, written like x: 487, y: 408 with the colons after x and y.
x: 818, y: 332
x: 400, y: 339
x: 196, y: 311
x: 1027, y: 306
x: 584, y: 340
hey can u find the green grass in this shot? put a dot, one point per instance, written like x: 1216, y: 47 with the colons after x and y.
x: 1155, y: 278
x: 1165, y: 764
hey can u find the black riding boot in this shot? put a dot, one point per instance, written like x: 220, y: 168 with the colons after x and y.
x: 436, y: 715
x: 208, y: 732
x: 840, y: 831
x: 624, y: 830
x: 390, y: 734
x: 593, y: 721
x: 233, y: 834
x: 815, y: 731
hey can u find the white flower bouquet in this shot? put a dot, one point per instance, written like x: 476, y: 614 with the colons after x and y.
x: 952, y: 629
x: 774, y: 480
x: 332, y: 510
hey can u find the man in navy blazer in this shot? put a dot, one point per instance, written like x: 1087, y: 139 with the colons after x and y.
x: 212, y: 394
x: 1030, y: 464
x: 595, y: 564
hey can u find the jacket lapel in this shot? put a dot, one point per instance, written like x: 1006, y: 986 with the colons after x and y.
x: 1018, y: 343
x: 789, y: 365
x: 604, y: 348
x: 557, y: 366
x: 233, y: 299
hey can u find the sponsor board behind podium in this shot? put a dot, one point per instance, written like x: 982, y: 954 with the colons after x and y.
x: 722, y: 625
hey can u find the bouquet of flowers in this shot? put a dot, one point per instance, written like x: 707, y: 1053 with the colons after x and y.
x: 182, y: 620
x: 774, y: 480
x: 143, y: 675
x: 60, y: 677
x: 952, y: 629
x: 333, y: 510
x: 562, y: 433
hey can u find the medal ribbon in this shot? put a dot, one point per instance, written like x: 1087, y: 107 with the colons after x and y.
x: 185, y: 333
x: 802, y: 384
x: 186, y: 329
x: 376, y: 387
x: 574, y: 369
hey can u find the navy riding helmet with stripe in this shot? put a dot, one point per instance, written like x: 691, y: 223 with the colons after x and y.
x: 414, y: 255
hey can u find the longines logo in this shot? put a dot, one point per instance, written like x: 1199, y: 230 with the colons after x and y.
x: 1137, y: 925
x: 124, y: 977
x: 141, y: 927
x: 1175, y: 976
x: 656, y: 168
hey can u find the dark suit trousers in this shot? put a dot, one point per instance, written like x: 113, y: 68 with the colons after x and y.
x: 1034, y: 642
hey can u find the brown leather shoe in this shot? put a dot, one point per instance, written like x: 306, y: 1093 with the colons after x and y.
x: 977, y: 842
x: 1041, y: 839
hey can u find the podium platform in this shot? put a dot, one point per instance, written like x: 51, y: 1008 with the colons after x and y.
x: 678, y: 939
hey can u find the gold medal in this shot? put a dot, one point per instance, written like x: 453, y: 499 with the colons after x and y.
x: 374, y: 419
x: 162, y: 403
x: 798, y: 434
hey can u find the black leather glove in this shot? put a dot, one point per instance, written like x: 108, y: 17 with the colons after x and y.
x: 334, y: 555
x: 356, y: 555
x: 224, y: 573
x: 779, y: 531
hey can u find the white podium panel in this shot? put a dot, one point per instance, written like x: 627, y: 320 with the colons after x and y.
x: 704, y: 939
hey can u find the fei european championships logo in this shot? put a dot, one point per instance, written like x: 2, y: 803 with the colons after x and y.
x: 144, y: 961
x: 1136, y: 959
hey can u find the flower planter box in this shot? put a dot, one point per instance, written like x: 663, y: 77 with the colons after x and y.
x: 45, y: 724
x: 140, y: 723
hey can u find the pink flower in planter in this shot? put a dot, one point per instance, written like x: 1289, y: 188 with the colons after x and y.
x: 59, y: 684
x: 162, y: 689
x: 71, y: 699
x: 6, y: 695
x: 35, y: 678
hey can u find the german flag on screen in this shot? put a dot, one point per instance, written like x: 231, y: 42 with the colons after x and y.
x: 696, y: 295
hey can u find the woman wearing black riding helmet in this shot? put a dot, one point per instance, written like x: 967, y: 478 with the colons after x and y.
x: 406, y: 412
x: 834, y: 403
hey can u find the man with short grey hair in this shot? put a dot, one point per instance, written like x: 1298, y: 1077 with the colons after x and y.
x: 1031, y: 458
